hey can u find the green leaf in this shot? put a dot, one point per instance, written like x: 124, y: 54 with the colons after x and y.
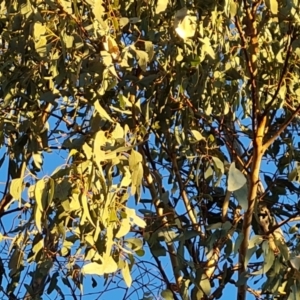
x: 135, y: 219
x: 272, y: 6
x: 205, y: 284
x: 294, y: 175
x: 149, y: 49
x: 123, y: 22
x: 161, y: 6
x: 241, y: 196
x: 98, y: 11
x: 40, y: 194
x: 38, y: 160
x: 102, y: 113
x: 197, y: 135
x: 268, y: 260
x: 92, y: 268
x: 137, y: 177
x: 124, y: 228
x: 87, y: 150
x: 238, y: 243
x: 218, y: 163
x: 167, y: 294
x: 86, y: 212
x: 233, y: 8
x: 168, y: 235
x: 126, y: 180
x: 108, y: 266
x: 140, y: 252
x: 38, y: 218
x: 16, y: 187
x: 134, y: 159
x: 126, y: 274
x: 293, y: 229
x: 143, y: 59
x: 207, y: 48
x: 134, y: 243
x: 67, y: 5
x: 295, y: 262
x: 51, y: 190
x: 38, y: 30
x: 236, y: 179
x: 255, y: 241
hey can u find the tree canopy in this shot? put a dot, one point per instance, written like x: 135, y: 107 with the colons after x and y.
x: 170, y: 129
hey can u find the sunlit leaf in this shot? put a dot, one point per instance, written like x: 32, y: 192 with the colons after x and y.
x: 198, y: 136
x: 101, y: 111
x: 124, y: 228
x: 161, y: 6
x: 123, y: 21
x: 126, y: 275
x: 40, y: 194
x: 92, y: 268
x: 16, y: 187
x: 236, y: 179
x: 272, y: 5
x: 135, y: 219
x: 86, y: 212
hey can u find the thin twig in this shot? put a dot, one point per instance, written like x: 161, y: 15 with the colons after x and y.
x: 283, y: 127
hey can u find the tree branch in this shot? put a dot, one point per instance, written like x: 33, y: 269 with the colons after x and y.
x: 283, y: 127
x: 258, y: 152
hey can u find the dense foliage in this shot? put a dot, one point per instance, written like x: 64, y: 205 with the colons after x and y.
x: 170, y: 129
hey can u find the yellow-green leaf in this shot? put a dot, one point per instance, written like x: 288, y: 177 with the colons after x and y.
x: 124, y: 228
x: 86, y: 212
x: 102, y: 112
x: 40, y: 195
x: 126, y: 274
x: 16, y: 187
x: 272, y: 6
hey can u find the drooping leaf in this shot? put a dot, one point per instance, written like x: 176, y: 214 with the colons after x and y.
x: 126, y: 274
x: 86, y: 212
x: 236, y: 179
x: 268, y: 260
x: 241, y: 195
x: 101, y: 111
x: 16, y: 187
x: 124, y: 228
x: 272, y: 5
x: 143, y: 59
x: 40, y: 194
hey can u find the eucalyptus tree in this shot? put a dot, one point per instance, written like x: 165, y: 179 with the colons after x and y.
x: 141, y: 134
